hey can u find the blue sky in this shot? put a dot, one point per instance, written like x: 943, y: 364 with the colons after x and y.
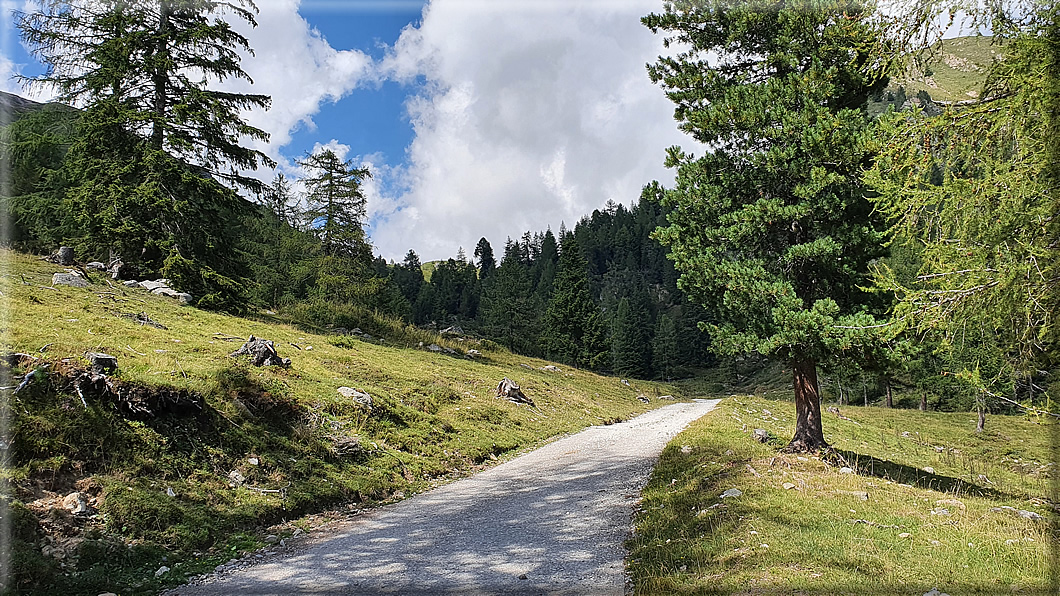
x: 476, y: 117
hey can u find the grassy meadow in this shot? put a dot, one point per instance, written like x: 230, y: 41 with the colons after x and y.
x: 161, y: 490
x: 921, y: 505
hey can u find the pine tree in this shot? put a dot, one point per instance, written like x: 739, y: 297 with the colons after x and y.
x: 631, y: 347
x: 572, y: 328
x: 770, y: 229
x: 509, y: 311
x: 664, y: 348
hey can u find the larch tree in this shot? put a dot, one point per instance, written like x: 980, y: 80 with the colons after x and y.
x: 975, y: 192
x: 336, y: 203
x: 770, y: 229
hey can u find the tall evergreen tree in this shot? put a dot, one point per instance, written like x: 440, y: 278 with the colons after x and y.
x: 770, y: 228
x: 509, y: 310
x: 484, y: 256
x: 572, y: 327
x: 631, y: 328
x: 664, y: 348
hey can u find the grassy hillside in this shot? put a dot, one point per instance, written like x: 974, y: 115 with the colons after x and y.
x: 189, y: 491
x: 925, y: 502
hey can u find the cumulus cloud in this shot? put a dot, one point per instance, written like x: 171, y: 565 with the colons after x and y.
x: 528, y: 114
x: 298, y: 68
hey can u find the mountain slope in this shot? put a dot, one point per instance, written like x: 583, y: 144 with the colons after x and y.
x: 268, y: 445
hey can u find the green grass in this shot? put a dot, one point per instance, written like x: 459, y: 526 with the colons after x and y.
x: 869, y: 532
x: 286, y: 431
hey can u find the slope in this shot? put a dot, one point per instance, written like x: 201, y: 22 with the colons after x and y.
x: 194, y: 487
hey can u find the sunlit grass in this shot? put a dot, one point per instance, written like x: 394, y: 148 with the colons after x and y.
x: 801, y: 526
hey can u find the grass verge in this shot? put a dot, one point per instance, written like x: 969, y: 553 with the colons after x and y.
x: 925, y: 502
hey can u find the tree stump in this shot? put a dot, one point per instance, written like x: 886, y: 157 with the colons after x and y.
x: 509, y: 390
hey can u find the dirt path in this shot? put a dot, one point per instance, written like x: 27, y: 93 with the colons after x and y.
x: 549, y: 522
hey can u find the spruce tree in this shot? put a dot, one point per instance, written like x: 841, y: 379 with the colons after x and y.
x: 631, y: 347
x: 572, y: 329
x: 769, y: 228
x: 486, y: 262
x: 509, y: 310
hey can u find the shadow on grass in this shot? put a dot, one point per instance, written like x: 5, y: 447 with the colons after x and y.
x: 867, y: 465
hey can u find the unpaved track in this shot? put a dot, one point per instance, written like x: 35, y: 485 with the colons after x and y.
x: 549, y: 522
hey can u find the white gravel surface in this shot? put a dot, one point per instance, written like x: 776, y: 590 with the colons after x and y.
x: 552, y: 521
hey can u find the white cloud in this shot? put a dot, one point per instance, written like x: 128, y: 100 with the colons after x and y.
x: 298, y: 68
x: 532, y: 113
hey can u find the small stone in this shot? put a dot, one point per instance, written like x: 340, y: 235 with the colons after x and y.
x: 754, y: 533
x: 170, y: 492
x: 522, y: 576
x: 76, y: 503
x: 929, y: 469
x: 272, y: 539
x: 845, y: 470
x: 474, y: 353
x: 132, y: 283
x: 161, y: 571
x: 940, y: 511
x: 434, y: 348
x: 1029, y: 515
x: 69, y: 279
x: 252, y: 461
x: 108, y: 594
x: 96, y: 265
x: 184, y: 298
x: 950, y: 503
x: 935, y: 543
x: 297, y: 532
x: 761, y: 435
x: 551, y: 368
x: 904, y: 535
x: 686, y: 449
x: 788, y: 486
x: 309, y: 348
x: 359, y: 397
x: 236, y: 478
x: 732, y: 492
x: 103, y: 364
x: 763, y: 545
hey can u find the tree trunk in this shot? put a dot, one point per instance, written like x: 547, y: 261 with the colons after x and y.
x: 809, y: 436
x: 923, y: 401
x: 158, y: 76
x: 887, y: 387
x: 865, y: 392
x: 982, y: 417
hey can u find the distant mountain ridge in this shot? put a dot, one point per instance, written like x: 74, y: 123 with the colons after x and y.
x: 13, y: 107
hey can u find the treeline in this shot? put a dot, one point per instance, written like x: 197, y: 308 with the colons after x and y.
x: 602, y: 295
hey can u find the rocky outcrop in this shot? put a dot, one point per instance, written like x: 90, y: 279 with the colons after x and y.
x: 262, y: 352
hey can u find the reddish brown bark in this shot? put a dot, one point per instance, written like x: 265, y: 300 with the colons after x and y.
x: 809, y: 435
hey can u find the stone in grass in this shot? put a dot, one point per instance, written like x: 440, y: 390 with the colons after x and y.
x: 732, y: 492
x: 69, y: 279
x: 96, y: 265
x: 102, y: 364
x: 788, y: 486
x: 262, y: 353
x: 761, y: 435
x: 846, y: 470
x: 551, y: 368
x: 434, y: 348
x: 359, y: 397
x: 935, y: 592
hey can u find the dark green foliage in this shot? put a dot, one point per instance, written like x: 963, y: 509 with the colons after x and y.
x: 664, y: 348
x: 509, y: 310
x: 770, y: 229
x: 486, y: 261
x: 336, y: 204
x: 572, y: 330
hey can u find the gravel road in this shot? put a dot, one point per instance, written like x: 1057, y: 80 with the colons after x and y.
x: 549, y: 522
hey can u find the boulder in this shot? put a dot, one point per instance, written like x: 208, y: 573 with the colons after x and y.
x: 508, y: 389
x: 454, y: 330
x: 69, y: 279
x: 151, y: 286
x: 102, y: 364
x: 132, y: 283
x: 65, y: 255
x: 165, y: 291
x: 76, y: 503
x: 185, y: 298
x: 96, y: 265
x: 761, y: 435
x: 262, y: 352
x: 359, y: 397
x: 434, y: 348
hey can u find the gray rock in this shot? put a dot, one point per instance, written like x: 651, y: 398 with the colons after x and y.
x: 151, y: 286
x: 162, y: 571
x: 935, y: 592
x: 185, y: 298
x: 1029, y: 515
x: 272, y: 539
x: 69, y: 279
x: 732, y: 492
x: 96, y: 265
x: 359, y: 397
x: 474, y: 353
x: 132, y: 283
x: 65, y: 255
x: 235, y: 478
x: 103, y: 364
x: 551, y: 368
x: 454, y: 330
x: 76, y: 503
x: 846, y: 470
x: 508, y: 389
x: 262, y: 352
x: 929, y: 469
x: 625, y: 382
x: 667, y: 397
x: 434, y: 348
x: 165, y: 291
x: 643, y: 398
x: 116, y: 268
x: 761, y: 435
